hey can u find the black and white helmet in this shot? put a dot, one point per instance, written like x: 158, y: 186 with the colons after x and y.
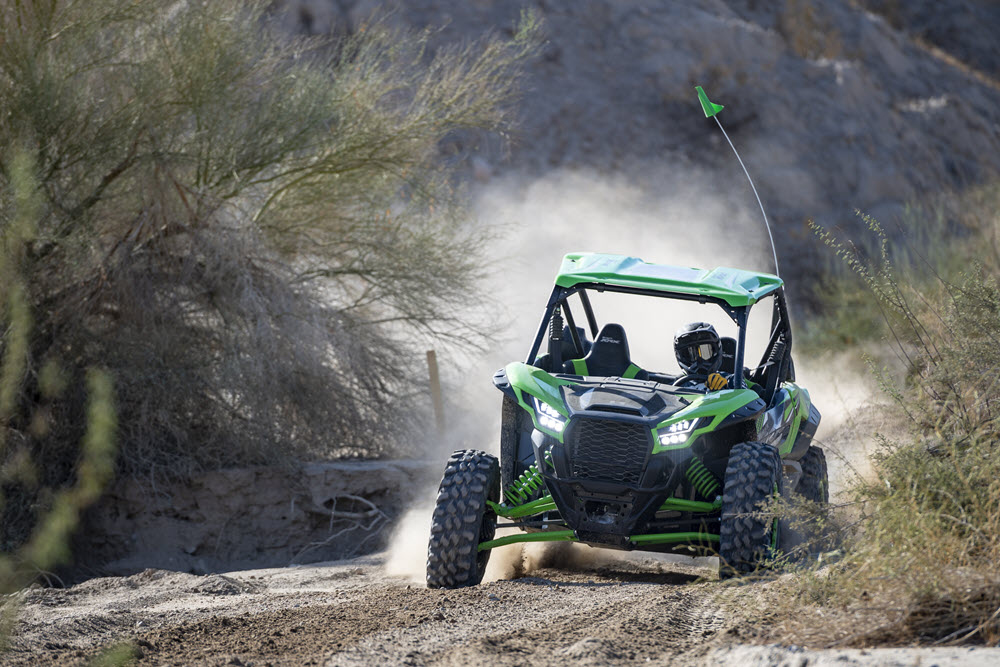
x: 698, y: 348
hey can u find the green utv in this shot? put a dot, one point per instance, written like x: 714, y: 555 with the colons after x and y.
x: 596, y: 449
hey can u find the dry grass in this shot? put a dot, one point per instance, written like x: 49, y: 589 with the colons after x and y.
x: 918, y: 553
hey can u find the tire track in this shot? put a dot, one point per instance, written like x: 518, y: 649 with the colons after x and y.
x: 654, y: 627
x: 612, y: 615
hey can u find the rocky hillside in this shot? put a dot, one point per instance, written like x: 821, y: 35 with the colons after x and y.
x: 834, y: 107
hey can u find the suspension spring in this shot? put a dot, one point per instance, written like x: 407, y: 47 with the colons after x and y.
x: 525, y: 486
x: 702, y: 479
x: 556, y: 324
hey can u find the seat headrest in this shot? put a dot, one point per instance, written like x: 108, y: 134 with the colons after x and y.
x: 610, y: 348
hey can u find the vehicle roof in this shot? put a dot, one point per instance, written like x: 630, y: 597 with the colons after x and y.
x: 734, y: 286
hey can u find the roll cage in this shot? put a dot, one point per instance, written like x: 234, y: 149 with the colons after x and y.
x: 775, y: 365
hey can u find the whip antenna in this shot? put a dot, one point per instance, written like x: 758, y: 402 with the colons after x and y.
x: 711, y: 111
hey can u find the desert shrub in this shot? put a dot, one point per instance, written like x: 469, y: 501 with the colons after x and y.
x: 919, y: 560
x: 250, y: 231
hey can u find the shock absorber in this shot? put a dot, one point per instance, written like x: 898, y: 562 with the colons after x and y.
x: 702, y: 479
x: 555, y: 339
x: 525, y: 486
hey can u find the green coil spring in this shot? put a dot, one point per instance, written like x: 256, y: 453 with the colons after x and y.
x: 525, y: 486
x: 702, y: 479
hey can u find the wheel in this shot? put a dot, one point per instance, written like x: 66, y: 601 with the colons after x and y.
x: 510, y: 436
x: 748, y: 540
x: 807, y: 532
x: 462, y: 520
x: 814, y: 484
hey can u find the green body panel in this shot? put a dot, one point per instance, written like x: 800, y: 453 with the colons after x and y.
x: 717, y: 405
x: 532, y: 381
x: 796, y: 408
x: 734, y: 286
x: 525, y: 379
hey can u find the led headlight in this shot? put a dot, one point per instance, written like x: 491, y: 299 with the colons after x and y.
x: 677, y: 432
x: 548, y: 416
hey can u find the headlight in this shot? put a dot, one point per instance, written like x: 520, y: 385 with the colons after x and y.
x: 677, y: 432
x: 548, y: 416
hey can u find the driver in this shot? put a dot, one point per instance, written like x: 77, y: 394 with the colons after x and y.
x: 699, y: 353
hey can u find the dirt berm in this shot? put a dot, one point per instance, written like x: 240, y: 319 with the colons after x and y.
x: 247, y: 517
x: 626, y: 610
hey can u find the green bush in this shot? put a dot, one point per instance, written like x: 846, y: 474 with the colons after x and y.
x: 251, y: 231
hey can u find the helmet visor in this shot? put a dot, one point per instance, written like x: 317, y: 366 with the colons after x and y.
x: 688, y: 355
x: 698, y: 357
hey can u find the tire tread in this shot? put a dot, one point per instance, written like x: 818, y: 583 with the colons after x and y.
x: 752, y: 477
x: 462, y: 520
x: 814, y: 484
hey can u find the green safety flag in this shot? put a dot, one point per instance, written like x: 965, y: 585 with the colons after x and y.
x: 710, y: 108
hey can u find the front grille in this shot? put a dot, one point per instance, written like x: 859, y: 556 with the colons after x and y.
x: 608, y: 450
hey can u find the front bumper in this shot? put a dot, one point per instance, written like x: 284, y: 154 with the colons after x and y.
x: 606, y: 483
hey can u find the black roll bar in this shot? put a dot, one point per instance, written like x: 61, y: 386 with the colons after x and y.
x: 738, y: 314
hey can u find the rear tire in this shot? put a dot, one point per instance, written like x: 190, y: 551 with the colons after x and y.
x: 462, y: 520
x: 747, y: 539
x: 814, y: 484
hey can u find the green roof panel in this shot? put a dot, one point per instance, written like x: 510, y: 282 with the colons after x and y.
x: 734, y: 286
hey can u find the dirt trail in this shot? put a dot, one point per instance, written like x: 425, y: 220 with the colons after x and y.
x: 637, y: 609
x: 351, y: 613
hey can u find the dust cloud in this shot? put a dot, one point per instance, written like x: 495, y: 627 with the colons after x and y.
x: 846, y: 395
x: 522, y: 560
x: 407, y: 556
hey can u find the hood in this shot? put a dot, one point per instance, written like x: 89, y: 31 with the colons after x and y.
x: 635, y: 397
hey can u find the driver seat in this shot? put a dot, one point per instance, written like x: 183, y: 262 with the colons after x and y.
x: 608, y: 357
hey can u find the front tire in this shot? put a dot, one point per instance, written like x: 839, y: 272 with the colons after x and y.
x: 462, y: 520
x: 747, y: 538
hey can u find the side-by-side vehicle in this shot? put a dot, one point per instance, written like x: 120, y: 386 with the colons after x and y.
x: 594, y: 448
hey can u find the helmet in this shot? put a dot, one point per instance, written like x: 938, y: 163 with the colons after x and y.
x: 698, y: 348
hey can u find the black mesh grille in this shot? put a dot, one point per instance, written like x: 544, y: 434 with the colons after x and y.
x: 609, y: 450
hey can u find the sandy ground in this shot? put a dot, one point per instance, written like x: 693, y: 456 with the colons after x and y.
x: 633, y: 609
